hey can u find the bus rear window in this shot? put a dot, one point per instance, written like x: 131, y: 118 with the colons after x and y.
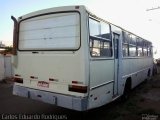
x: 60, y: 31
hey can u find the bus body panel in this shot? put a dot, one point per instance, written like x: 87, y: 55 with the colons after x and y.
x: 104, y: 76
x: 101, y: 82
x: 66, y: 74
x: 137, y: 69
x: 118, y: 83
x: 49, y: 74
x: 101, y: 72
x: 44, y: 54
x: 66, y: 101
x: 100, y: 95
x: 48, y: 66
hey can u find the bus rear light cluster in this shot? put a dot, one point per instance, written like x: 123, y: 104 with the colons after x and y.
x: 18, y: 80
x: 52, y: 79
x: 33, y: 77
x: 17, y: 75
x: 79, y: 89
x: 77, y: 82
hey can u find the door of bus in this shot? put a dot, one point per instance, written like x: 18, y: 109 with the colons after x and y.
x: 116, y: 38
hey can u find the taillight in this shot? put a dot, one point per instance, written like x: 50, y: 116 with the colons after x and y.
x: 79, y: 89
x: 17, y: 75
x: 77, y: 82
x: 52, y: 79
x: 18, y: 80
x: 33, y: 77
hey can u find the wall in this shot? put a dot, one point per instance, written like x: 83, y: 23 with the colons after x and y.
x: 5, y: 67
x: 2, y: 70
x: 8, y: 66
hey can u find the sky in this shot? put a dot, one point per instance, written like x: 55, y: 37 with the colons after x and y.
x: 129, y: 14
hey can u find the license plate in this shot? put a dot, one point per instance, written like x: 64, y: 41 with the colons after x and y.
x: 43, y: 84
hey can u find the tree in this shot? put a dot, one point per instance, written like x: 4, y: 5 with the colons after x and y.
x: 7, y: 50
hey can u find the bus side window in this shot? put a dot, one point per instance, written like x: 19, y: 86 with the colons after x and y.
x: 125, y: 45
x: 100, y: 41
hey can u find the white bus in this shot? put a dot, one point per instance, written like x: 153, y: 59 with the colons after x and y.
x: 69, y: 57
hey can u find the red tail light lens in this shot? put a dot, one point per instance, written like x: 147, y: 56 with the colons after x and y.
x: 79, y: 89
x: 77, y: 82
x: 18, y: 80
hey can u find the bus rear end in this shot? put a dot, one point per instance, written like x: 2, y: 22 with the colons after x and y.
x: 49, y: 63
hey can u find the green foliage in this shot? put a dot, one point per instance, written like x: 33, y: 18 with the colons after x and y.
x: 8, y: 49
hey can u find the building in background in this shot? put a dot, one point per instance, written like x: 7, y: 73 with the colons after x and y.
x: 5, y: 50
x: 1, y: 45
x: 5, y: 61
x: 5, y: 66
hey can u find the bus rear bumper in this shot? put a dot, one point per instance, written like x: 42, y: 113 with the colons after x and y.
x: 66, y: 101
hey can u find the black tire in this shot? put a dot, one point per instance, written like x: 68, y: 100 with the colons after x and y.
x: 84, y: 115
x: 127, y: 90
x: 149, y: 73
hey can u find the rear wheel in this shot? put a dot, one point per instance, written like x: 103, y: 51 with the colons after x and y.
x: 127, y: 90
x: 149, y: 75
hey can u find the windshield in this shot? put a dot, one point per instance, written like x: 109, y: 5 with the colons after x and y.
x: 60, y: 31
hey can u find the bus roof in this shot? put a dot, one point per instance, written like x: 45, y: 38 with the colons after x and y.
x: 53, y: 10
x: 70, y: 8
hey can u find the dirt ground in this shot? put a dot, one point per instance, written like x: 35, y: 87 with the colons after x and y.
x: 143, y: 104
